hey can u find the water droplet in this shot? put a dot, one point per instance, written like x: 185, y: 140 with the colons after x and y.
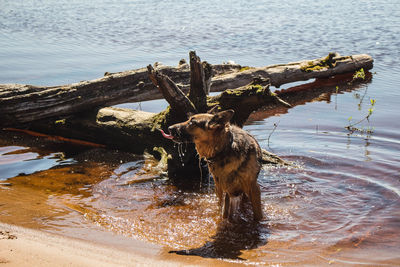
x: 181, y: 154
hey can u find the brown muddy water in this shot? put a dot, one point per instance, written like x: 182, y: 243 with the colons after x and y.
x: 338, y: 205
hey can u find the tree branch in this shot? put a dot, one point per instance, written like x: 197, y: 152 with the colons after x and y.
x: 199, y: 82
x: 178, y: 101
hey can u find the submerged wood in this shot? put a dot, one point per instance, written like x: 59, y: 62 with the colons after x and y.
x: 21, y: 104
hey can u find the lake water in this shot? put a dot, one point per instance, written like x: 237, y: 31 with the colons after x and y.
x: 339, y: 205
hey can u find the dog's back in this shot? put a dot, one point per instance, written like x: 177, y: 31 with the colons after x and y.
x: 235, y: 170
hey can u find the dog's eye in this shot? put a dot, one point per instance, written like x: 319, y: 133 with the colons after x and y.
x: 191, y: 122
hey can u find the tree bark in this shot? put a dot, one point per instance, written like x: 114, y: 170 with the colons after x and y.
x: 180, y: 104
x: 200, y: 81
x: 304, y: 70
x: 21, y: 104
x: 138, y: 131
x: 247, y: 99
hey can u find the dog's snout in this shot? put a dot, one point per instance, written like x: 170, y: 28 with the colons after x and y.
x: 179, y: 133
x: 171, y: 129
x: 174, y: 130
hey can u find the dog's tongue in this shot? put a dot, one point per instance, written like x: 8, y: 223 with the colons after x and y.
x: 168, y: 136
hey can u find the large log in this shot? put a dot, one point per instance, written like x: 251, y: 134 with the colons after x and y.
x: 21, y: 104
x: 138, y: 131
x: 325, y: 67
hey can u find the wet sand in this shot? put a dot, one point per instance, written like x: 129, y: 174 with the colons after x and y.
x: 21, y: 246
x: 26, y: 247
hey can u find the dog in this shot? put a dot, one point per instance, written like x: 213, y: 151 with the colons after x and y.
x: 232, y: 154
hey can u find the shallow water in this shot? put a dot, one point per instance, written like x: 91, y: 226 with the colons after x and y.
x: 339, y: 204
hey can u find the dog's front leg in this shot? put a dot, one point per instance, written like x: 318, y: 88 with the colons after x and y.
x: 255, y: 199
x: 226, y: 209
x: 218, y: 192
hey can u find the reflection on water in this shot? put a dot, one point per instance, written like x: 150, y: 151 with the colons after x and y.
x: 16, y: 158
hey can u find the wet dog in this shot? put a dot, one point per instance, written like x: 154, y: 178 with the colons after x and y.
x: 232, y: 154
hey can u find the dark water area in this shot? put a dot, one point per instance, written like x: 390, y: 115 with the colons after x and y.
x: 339, y: 204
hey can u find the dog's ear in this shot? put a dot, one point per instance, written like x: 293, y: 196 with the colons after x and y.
x: 221, y: 118
x: 214, y: 110
x: 190, y: 114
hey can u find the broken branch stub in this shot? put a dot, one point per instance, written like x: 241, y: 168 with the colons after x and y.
x: 200, y: 81
x: 178, y: 101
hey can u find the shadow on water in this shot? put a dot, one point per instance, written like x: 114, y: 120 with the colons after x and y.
x: 231, y: 238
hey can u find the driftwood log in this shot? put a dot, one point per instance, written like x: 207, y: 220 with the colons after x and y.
x: 26, y: 103
x: 75, y: 110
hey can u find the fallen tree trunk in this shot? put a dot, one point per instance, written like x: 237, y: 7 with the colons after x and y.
x: 304, y: 70
x: 21, y: 104
x: 138, y: 131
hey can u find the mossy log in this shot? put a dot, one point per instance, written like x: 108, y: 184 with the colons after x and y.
x: 21, y: 104
x: 320, y: 68
x: 247, y: 99
x: 139, y: 131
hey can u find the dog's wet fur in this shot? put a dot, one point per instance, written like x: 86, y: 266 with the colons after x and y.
x: 232, y: 154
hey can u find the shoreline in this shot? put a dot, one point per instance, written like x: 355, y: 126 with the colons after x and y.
x: 21, y: 246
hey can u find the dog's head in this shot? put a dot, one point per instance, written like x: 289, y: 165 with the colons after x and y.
x: 199, y: 127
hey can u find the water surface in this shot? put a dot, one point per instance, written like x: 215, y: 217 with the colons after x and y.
x: 339, y: 204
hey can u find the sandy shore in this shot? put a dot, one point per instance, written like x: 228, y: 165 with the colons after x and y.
x: 26, y: 247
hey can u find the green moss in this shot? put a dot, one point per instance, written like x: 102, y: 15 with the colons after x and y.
x: 325, y: 63
x: 244, y: 68
x: 359, y: 75
x: 62, y: 122
x: 311, y: 67
x: 160, y: 154
x: 211, y: 103
x: 231, y: 92
x: 231, y: 97
x: 161, y: 119
x: 257, y: 88
x: 251, y: 90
